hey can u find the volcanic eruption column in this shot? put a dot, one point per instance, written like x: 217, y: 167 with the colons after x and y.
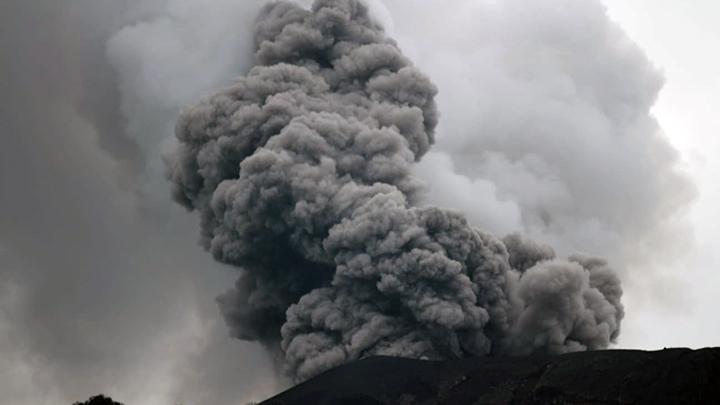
x: 301, y: 174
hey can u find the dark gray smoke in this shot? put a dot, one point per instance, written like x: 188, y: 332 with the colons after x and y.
x: 301, y: 173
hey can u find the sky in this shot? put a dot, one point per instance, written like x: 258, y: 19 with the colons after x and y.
x: 103, y: 287
x: 676, y: 36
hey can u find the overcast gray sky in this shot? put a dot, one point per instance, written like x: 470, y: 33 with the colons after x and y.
x: 545, y: 119
x: 678, y: 37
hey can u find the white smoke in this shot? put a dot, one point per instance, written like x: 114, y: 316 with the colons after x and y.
x: 546, y: 107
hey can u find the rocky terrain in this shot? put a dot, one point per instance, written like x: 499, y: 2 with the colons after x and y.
x: 671, y: 376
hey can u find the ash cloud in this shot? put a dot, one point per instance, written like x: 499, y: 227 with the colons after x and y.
x: 102, y: 287
x: 302, y: 174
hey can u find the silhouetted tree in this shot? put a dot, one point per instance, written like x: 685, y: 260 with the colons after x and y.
x: 98, y: 400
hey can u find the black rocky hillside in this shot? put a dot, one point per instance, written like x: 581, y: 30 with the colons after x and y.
x: 672, y: 376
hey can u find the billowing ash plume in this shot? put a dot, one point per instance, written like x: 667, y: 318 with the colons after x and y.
x: 301, y: 172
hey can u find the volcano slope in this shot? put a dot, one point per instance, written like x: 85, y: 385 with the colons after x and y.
x: 670, y: 376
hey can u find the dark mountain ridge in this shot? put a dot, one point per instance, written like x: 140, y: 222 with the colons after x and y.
x: 670, y: 376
